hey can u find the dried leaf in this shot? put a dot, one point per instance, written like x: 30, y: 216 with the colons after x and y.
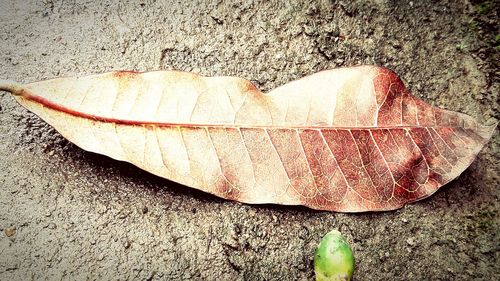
x: 349, y: 139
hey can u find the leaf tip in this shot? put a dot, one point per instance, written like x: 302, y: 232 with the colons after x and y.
x: 487, y: 131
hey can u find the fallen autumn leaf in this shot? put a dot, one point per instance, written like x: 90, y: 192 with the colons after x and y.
x: 348, y: 139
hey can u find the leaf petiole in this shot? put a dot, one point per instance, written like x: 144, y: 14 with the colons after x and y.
x: 11, y: 86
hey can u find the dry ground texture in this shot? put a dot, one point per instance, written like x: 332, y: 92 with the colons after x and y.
x: 72, y: 215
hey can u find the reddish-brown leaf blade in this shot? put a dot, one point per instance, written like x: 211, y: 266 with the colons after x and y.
x: 350, y: 139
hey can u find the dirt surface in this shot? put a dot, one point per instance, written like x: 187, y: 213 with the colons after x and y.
x: 73, y: 215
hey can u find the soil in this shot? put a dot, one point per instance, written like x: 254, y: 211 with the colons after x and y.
x: 67, y: 214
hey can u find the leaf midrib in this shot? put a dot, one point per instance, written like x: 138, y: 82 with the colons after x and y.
x: 54, y: 106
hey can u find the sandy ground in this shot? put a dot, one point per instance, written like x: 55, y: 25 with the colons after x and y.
x: 66, y: 214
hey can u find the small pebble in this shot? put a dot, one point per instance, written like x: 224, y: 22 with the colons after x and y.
x: 410, y: 241
x: 237, y: 229
x: 10, y: 231
x: 127, y: 244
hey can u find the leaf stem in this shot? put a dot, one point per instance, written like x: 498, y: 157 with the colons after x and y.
x: 11, y: 86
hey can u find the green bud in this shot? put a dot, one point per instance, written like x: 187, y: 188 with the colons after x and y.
x: 333, y: 259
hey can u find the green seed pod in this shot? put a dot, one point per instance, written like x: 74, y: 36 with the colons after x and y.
x: 333, y: 259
